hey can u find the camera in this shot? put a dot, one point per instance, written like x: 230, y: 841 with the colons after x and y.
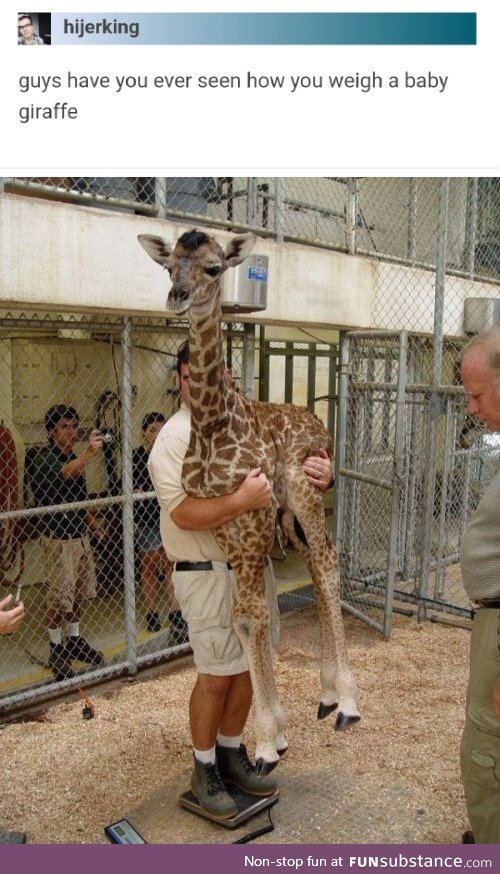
x: 106, y: 435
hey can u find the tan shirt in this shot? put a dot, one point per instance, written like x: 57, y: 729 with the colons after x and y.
x: 480, y: 554
x: 165, y: 469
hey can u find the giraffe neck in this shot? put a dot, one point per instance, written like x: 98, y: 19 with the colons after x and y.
x: 207, y: 385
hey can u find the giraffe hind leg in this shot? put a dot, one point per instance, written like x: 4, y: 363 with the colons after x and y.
x: 337, y: 683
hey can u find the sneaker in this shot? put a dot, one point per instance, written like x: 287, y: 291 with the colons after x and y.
x: 235, y: 767
x: 208, y: 788
x: 78, y: 649
x: 8, y: 837
x: 178, y: 629
x: 59, y: 662
x: 153, y: 622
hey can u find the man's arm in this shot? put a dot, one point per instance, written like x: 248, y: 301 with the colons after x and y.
x: 202, y: 514
x: 75, y: 467
x: 10, y: 620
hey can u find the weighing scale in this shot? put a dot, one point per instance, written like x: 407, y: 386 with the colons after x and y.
x: 248, y: 807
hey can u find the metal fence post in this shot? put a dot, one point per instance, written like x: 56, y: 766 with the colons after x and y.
x: 279, y: 209
x: 127, y: 491
x: 397, y: 480
x: 435, y: 408
x: 471, y: 225
x: 412, y: 220
x: 351, y: 214
x: 161, y: 195
x: 251, y: 200
x: 340, y: 453
x: 248, y: 362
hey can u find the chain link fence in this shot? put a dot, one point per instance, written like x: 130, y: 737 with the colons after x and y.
x: 391, y: 218
x: 83, y: 552
x: 410, y: 464
x: 65, y: 377
x: 413, y: 465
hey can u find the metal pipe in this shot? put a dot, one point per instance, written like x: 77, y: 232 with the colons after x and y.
x: 311, y: 377
x: 412, y: 220
x: 445, y: 475
x: 279, y: 209
x: 471, y: 225
x: 127, y: 489
x: 248, y: 362
x: 397, y: 482
x: 82, y: 197
x: 435, y: 403
x: 340, y: 443
x: 252, y: 201
x: 351, y: 213
x: 366, y: 478
x: 161, y: 196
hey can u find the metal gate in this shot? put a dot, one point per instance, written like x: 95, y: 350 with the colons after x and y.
x: 370, y: 443
x: 411, y: 469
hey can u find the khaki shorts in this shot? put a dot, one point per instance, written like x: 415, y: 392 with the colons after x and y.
x: 70, y: 573
x: 206, y: 602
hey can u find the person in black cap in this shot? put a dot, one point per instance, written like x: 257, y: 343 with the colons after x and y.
x: 57, y: 476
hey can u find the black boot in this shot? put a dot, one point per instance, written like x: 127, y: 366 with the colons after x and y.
x: 153, y: 622
x: 59, y: 662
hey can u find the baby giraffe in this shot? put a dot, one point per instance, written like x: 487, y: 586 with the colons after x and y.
x: 230, y: 435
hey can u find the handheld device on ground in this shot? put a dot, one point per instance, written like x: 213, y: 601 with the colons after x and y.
x: 121, y: 832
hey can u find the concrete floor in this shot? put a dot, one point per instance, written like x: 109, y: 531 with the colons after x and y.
x: 322, y: 806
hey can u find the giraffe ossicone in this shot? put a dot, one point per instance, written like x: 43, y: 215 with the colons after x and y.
x: 231, y: 435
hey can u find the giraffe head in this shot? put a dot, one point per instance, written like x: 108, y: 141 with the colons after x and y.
x: 195, y: 264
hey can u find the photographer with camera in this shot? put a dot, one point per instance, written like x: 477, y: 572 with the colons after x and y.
x: 57, y: 476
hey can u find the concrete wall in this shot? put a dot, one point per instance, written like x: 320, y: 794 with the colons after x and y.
x: 80, y: 258
x: 83, y: 259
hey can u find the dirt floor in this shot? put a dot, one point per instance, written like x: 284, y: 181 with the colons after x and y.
x: 64, y: 778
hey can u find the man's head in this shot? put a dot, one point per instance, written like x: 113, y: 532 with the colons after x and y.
x: 62, y: 423
x: 481, y: 378
x: 25, y: 25
x: 151, y: 427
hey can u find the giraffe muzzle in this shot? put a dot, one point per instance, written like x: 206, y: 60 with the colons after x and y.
x: 178, y: 299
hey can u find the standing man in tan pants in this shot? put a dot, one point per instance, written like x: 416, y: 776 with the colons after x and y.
x: 480, y: 561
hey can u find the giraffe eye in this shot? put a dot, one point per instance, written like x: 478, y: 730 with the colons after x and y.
x: 212, y: 271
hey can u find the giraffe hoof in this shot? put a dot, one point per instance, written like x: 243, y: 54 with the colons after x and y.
x: 342, y: 722
x: 324, y: 710
x: 262, y: 767
x: 282, y: 751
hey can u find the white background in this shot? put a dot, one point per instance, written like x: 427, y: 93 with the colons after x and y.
x: 377, y: 133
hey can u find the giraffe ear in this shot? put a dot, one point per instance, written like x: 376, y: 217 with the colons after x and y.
x: 156, y: 247
x: 238, y: 248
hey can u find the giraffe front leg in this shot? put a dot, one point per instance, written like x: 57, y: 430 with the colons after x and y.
x: 254, y: 636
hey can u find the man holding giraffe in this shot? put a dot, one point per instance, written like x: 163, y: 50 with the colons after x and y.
x: 204, y: 586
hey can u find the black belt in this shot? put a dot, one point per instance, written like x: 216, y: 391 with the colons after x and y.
x: 492, y: 603
x: 197, y: 566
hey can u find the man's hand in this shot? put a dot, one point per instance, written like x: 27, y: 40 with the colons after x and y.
x: 496, y: 700
x: 318, y: 470
x: 255, y: 491
x: 95, y: 441
x: 10, y: 620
